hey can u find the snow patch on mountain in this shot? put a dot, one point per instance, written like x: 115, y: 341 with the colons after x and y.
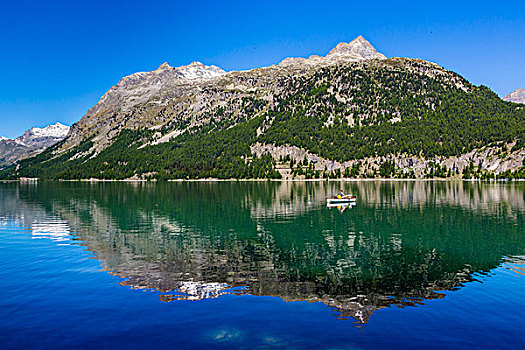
x: 194, y: 70
x: 197, y: 70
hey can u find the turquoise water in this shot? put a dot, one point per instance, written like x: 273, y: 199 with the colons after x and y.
x: 262, y: 265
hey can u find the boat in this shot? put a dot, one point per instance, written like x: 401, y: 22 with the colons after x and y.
x: 340, y: 199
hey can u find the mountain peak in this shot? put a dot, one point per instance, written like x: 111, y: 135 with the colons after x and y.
x: 196, y: 71
x: 517, y: 96
x: 164, y: 66
x: 56, y: 130
x: 59, y: 125
x: 356, y: 50
x: 359, y: 48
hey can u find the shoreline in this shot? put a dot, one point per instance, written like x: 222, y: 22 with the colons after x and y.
x: 265, y: 180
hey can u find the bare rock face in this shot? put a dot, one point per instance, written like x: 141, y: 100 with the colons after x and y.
x: 10, y: 151
x: 153, y: 89
x: 517, y: 96
x: 488, y: 159
x: 139, y: 87
x: 356, y: 50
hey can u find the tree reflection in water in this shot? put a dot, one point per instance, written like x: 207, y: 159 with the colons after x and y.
x: 403, y: 243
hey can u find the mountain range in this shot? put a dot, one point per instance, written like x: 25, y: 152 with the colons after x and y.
x: 31, y: 142
x: 352, y: 113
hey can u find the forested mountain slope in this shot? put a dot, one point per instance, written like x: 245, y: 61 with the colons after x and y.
x: 352, y: 113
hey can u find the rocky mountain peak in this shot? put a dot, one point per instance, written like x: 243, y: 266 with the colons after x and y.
x: 139, y: 87
x: 359, y: 48
x: 164, y: 66
x: 517, y: 96
x: 356, y: 50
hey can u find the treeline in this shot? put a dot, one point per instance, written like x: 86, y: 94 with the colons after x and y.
x: 223, y: 154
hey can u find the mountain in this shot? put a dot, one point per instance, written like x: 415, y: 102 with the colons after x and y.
x: 32, y: 142
x: 352, y: 113
x: 43, y: 137
x: 11, y: 151
x: 517, y: 96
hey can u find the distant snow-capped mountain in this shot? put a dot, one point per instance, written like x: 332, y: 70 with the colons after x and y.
x: 43, y: 137
x: 517, y: 96
x: 197, y: 70
x: 32, y: 142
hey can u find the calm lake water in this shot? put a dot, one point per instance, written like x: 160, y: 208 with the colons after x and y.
x: 262, y: 265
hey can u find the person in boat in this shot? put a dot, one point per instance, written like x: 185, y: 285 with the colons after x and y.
x: 341, y: 194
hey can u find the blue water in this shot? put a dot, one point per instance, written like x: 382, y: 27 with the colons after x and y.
x: 92, y: 266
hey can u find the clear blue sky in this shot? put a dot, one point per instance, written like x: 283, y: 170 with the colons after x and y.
x: 58, y: 57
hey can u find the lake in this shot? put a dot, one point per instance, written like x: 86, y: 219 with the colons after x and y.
x: 413, y: 264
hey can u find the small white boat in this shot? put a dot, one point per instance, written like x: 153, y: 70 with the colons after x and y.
x: 340, y: 199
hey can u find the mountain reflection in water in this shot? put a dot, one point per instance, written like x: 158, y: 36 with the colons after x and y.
x: 403, y: 243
